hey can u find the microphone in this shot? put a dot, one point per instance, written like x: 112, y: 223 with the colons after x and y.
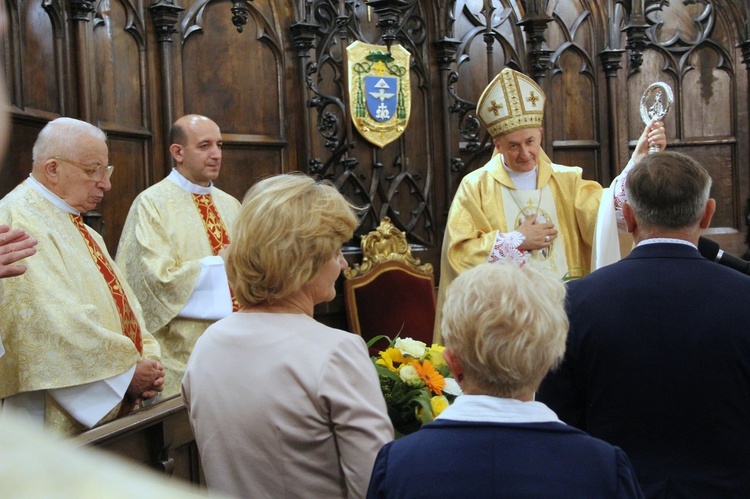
x: 711, y: 250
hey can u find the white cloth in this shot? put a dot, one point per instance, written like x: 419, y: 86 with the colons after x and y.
x: 87, y: 403
x: 488, y: 409
x: 524, y: 181
x: 210, y: 299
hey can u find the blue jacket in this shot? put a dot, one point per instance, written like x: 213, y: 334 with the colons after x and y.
x: 658, y: 363
x: 455, y: 459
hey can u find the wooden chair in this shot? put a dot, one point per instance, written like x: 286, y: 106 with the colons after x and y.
x: 389, y: 293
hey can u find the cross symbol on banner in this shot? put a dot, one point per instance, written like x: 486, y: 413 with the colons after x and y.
x: 495, y: 107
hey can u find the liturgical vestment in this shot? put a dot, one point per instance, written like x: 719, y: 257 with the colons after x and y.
x: 478, y: 213
x: 167, y: 258
x: 60, y: 324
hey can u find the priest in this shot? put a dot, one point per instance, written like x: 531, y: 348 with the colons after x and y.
x: 174, y: 242
x: 77, y: 351
x: 522, y: 208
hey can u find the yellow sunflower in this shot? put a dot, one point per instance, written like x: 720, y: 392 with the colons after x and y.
x: 391, y: 358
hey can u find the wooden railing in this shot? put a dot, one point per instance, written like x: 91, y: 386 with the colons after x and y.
x: 158, y: 436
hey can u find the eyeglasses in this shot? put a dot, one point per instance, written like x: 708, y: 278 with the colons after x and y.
x: 95, y: 172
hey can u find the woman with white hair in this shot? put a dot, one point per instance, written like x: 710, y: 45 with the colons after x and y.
x: 281, y: 405
x: 504, y: 328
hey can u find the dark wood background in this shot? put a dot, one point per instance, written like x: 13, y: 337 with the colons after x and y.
x: 277, y: 90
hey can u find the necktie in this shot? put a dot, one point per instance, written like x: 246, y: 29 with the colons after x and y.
x: 130, y: 326
x: 216, y: 232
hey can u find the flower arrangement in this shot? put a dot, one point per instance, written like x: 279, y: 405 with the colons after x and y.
x: 416, y: 383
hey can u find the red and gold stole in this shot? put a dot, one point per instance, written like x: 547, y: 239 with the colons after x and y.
x: 217, y: 234
x: 130, y: 326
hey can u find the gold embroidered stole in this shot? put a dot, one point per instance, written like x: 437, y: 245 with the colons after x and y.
x: 217, y: 234
x: 130, y: 326
x: 520, y: 205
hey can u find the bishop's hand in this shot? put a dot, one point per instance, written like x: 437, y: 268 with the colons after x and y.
x: 537, y: 235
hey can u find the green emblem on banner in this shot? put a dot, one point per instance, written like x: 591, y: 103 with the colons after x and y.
x: 379, y: 91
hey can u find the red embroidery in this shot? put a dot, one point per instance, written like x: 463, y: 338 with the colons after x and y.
x: 216, y: 231
x: 130, y: 326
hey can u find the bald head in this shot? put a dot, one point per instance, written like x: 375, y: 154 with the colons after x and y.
x: 196, y: 148
x: 179, y: 130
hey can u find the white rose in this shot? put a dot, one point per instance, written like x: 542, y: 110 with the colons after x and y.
x: 451, y: 387
x: 409, y: 375
x: 411, y: 347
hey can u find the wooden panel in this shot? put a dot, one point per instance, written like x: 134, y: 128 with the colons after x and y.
x: 17, y: 165
x: 241, y: 167
x: 128, y: 155
x: 718, y: 160
x: 119, y: 82
x: 707, y: 110
x: 37, y: 59
x: 234, y: 78
x: 158, y: 437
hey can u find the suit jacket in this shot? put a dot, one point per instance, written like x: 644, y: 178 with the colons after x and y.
x: 283, y: 406
x: 477, y: 460
x: 658, y: 363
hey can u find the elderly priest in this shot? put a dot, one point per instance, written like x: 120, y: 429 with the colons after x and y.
x: 521, y: 207
x: 77, y: 352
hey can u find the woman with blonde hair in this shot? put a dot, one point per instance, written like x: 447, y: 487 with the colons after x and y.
x: 504, y: 328
x: 281, y: 405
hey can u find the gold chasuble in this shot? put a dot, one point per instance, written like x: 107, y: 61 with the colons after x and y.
x: 480, y: 211
x: 216, y: 231
x: 60, y: 323
x: 160, y: 250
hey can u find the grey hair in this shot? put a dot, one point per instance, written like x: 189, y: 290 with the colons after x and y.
x: 507, y: 326
x: 668, y: 189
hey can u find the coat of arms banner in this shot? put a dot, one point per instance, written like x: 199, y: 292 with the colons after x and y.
x: 379, y: 91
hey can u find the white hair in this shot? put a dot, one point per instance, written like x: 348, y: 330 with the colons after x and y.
x: 60, y: 138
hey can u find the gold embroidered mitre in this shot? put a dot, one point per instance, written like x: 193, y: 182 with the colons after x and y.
x: 512, y: 101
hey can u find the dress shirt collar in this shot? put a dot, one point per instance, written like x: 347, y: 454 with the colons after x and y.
x: 50, y: 196
x: 488, y: 409
x: 524, y: 181
x: 181, y: 181
x: 668, y: 240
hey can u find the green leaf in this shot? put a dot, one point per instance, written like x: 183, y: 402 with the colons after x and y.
x: 378, y: 338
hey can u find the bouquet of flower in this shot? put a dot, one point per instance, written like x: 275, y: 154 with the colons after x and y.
x: 416, y: 383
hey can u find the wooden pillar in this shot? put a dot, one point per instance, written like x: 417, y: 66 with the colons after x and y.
x: 82, y: 11
x: 165, y: 14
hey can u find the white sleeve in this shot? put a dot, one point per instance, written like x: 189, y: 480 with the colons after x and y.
x: 210, y: 299
x: 505, y: 248
x: 90, y: 402
x: 606, y: 246
x: 618, y: 196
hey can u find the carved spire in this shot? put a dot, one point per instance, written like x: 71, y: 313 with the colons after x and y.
x: 165, y: 14
x: 388, y: 12
x: 82, y: 9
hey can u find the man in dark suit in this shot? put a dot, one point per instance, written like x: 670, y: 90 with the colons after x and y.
x: 658, y: 354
